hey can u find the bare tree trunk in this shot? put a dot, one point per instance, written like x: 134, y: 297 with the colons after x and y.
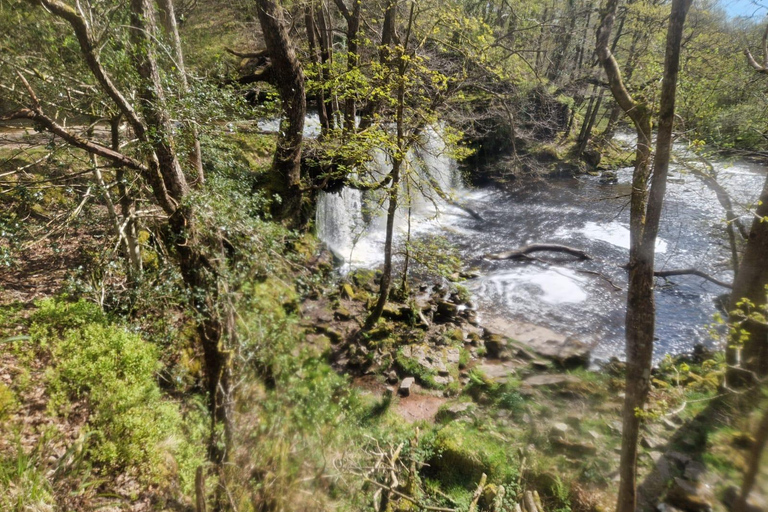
x: 126, y: 205
x: 394, y: 188
x: 168, y: 20
x: 290, y: 84
x: 353, y: 27
x: 326, y: 56
x: 312, y: 36
x: 645, y: 214
x: 388, y: 39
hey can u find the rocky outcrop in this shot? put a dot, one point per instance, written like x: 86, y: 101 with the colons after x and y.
x: 564, y: 350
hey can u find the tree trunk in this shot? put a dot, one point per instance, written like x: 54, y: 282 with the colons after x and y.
x: 750, y: 284
x: 401, y: 149
x: 753, y: 469
x: 312, y: 36
x: 168, y: 20
x: 198, y: 272
x: 645, y: 213
x: 290, y: 84
x: 353, y: 27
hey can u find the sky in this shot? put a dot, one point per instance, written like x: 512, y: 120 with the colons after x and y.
x: 748, y: 8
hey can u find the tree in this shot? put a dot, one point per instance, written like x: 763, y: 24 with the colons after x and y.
x: 288, y: 76
x: 157, y: 164
x: 645, y: 215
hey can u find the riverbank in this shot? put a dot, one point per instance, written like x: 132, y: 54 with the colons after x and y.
x: 515, y: 402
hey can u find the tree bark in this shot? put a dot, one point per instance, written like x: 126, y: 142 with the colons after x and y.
x: 645, y: 213
x: 753, y: 468
x: 353, y: 27
x: 750, y: 284
x: 168, y: 21
x: 289, y: 77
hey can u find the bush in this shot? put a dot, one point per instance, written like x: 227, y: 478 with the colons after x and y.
x: 131, y: 427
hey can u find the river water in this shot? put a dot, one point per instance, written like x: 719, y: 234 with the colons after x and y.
x: 585, y: 299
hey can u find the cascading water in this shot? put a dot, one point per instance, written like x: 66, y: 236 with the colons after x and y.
x: 584, y: 299
x: 352, y: 223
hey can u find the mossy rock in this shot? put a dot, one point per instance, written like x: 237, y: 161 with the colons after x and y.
x: 463, y: 454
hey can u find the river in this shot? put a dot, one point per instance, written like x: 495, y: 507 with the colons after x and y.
x: 585, y: 299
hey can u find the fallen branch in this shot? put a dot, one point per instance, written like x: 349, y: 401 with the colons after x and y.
x: 692, y: 272
x: 523, y: 252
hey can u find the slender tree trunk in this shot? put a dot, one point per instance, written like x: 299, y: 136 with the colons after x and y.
x: 168, y: 20
x: 326, y: 57
x: 290, y: 83
x: 312, y: 33
x: 353, y: 27
x: 398, y: 157
x: 645, y: 214
x: 128, y: 220
x: 388, y: 38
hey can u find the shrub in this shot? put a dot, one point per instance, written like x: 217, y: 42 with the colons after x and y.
x: 131, y: 427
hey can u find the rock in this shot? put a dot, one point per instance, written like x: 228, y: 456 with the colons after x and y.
x: 558, y: 430
x: 446, y: 312
x: 609, y: 177
x: 405, y: 386
x: 342, y: 313
x: 347, y: 292
x: 440, y: 362
x: 455, y: 411
x: 592, y: 157
x: 496, y: 346
x: 469, y: 274
x: 690, y: 496
x: 573, y: 448
x: 669, y: 424
x: 563, y: 350
x: 392, y: 377
x: 442, y: 380
x: 332, y: 334
x: 652, y: 442
x: 556, y: 380
x: 679, y: 459
x: 694, y: 470
x: 655, y: 456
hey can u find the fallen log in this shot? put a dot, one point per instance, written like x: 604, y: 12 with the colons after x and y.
x: 523, y: 252
x: 692, y: 272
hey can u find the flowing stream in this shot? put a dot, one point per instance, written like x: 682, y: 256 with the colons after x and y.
x: 584, y: 299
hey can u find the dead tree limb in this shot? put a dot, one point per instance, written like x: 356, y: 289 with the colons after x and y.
x: 528, y: 249
x: 692, y: 272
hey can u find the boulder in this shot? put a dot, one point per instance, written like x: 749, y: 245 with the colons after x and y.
x: 496, y: 346
x: 690, y: 496
x: 455, y: 411
x: 563, y: 350
x: 405, y: 386
x: 446, y: 312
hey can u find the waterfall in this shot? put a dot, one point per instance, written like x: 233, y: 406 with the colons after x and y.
x: 352, y: 223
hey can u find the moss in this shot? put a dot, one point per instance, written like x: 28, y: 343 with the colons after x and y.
x: 462, y: 454
x: 411, y: 367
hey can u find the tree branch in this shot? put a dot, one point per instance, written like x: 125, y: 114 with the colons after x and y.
x: 528, y: 249
x: 692, y: 272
